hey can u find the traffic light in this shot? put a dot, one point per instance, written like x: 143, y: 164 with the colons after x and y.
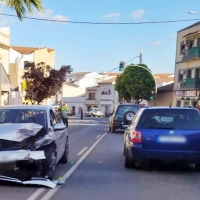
x: 121, y: 66
x: 151, y: 97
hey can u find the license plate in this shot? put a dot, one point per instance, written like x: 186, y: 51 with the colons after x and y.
x: 171, y: 139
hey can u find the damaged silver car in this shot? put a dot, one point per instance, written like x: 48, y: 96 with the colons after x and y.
x: 33, y: 139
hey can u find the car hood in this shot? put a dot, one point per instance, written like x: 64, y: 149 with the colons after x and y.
x: 19, y: 131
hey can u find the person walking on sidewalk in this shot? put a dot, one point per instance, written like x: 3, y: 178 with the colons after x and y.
x: 64, y: 113
x: 81, y: 113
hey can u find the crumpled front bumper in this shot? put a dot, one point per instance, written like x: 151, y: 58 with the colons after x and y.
x: 23, y: 155
x: 33, y: 181
x: 17, y: 155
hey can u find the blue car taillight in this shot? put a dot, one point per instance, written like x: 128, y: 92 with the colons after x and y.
x: 136, y: 137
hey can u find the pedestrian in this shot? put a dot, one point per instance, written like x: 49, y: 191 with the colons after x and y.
x: 106, y: 112
x: 64, y: 113
x: 198, y: 107
x: 81, y: 113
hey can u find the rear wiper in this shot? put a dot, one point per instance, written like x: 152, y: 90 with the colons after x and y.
x: 161, y: 127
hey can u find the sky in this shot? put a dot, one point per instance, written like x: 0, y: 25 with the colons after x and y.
x: 90, y: 47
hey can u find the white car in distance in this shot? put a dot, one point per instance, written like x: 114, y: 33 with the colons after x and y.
x: 93, y: 112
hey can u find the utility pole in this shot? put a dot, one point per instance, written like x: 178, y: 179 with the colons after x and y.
x: 140, y: 56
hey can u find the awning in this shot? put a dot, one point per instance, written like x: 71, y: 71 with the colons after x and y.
x: 192, y: 34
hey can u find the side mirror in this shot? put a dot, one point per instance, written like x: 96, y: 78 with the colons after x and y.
x: 59, y: 127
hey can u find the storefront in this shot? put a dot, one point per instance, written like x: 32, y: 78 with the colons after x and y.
x: 187, y: 98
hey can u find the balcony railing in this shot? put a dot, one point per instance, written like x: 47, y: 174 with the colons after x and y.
x: 190, y: 83
x: 91, y: 101
x: 191, y: 54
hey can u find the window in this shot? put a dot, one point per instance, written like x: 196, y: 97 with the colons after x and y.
x: 91, y: 96
x: 25, y: 63
x: 23, y: 116
x: 125, y: 108
x: 197, y: 73
x: 198, y: 42
x: 186, y: 103
x: 182, y: 47
x: 191, y: 44
x: 52, y: 118
x: 180, y: 76
x: 178, y: 103
x: 170, y: 119
x: 106, y: 91
x: 189, y: 73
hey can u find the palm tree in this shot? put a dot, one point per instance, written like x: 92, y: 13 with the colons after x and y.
x: 24, y: 6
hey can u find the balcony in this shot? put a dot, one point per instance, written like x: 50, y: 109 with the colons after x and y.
x: 190, y: 83
x: 106, y: 97
x: 91, y: 102
x: 191, y: 54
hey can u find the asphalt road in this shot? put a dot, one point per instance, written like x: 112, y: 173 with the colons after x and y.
x: 96, y: 171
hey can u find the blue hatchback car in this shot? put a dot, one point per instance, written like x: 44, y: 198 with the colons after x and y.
x: 163, y: 133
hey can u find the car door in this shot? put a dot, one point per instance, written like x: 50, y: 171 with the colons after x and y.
x: 60, y: 133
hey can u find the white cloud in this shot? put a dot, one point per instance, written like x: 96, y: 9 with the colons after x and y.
x: 49, y: 14
x: 157, y: 43
x: 112, y: 16
x: 137, y: 14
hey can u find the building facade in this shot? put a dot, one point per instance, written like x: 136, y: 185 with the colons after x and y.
x: 187, y: 68
x: 5, y: 90
x: 104, y: 96
x: 19, y: 57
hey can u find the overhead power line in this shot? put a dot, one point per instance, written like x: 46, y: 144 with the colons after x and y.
x: 103, y: 23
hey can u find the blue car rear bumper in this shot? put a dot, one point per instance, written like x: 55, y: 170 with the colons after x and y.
x: 137, y: 153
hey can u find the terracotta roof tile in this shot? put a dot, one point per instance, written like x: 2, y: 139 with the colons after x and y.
x: 27, y: 50
x: 79, y: 74
x: 115, y: 74
x: 111, y: 80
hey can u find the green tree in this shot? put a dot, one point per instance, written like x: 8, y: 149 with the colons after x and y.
x: 137, y: 82
x: 43, y: 82
x: 22, y: 7
x: 119, y: 86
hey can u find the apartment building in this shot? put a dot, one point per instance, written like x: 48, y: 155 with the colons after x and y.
x: 19, y: 57
x: 104, y: 96
x: 187, y: 68
x: 4, y: 65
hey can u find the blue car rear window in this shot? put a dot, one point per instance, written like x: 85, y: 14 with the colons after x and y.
x: 170, y: 119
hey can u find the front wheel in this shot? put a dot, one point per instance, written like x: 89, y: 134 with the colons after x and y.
x: 64, y: 158
x: 129, y: 162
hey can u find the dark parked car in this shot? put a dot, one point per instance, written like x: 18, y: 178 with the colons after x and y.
x: 32, y: 141
x: 122, y: 116
x: 166, y: 134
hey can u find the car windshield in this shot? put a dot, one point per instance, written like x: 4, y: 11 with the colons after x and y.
x: 23, y: 116
x: 170, y: 119
x: 125, y: 108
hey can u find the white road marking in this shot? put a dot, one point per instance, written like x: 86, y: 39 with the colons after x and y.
x: 82, y: 151
x: 73, y: 168
x: 98, y: 136
x: 104, y: 129
x: 36, y: 194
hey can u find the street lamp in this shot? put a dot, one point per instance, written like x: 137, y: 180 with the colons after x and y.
x: 151, y: 75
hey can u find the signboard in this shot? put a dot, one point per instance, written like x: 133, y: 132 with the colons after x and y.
x: 191, y: 93
x: 179, y: 93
